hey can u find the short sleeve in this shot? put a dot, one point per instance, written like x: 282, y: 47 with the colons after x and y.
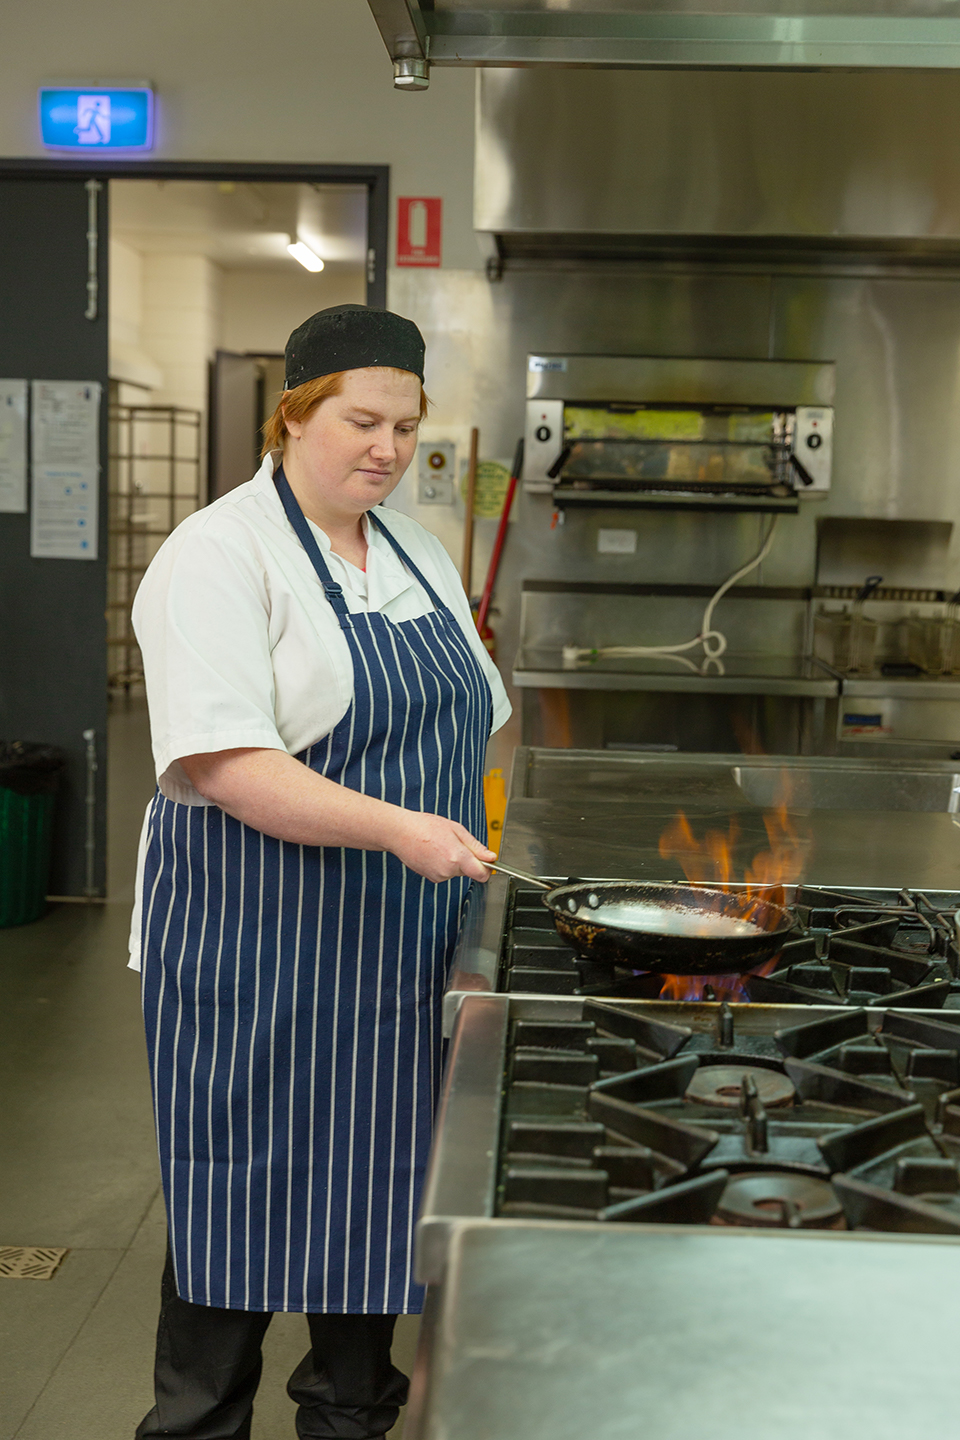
x: 202, y: 620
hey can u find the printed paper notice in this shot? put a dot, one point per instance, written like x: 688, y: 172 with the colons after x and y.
x: 13, y: 446
x: 65, y: 469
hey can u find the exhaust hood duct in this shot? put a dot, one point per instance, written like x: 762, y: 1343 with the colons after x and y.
x: 665, y: 34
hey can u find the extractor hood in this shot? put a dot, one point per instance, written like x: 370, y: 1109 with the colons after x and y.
x: 668, y: 34
x: 663, y: 165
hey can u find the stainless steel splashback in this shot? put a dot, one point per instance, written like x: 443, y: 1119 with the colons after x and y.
x: 895, y: 341
x: 842, y: 157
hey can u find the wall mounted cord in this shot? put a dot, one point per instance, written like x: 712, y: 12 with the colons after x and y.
x: 714, y: 642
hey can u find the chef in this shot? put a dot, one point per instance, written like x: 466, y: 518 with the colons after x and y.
x: 320, y: 704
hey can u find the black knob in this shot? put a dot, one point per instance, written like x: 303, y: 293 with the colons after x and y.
x: 543, y: 433
x: 814, y: 441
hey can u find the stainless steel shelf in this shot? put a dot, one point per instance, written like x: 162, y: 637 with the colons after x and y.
x: 745, y: 675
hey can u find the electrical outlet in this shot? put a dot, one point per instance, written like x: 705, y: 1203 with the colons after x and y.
x: 617, y: 542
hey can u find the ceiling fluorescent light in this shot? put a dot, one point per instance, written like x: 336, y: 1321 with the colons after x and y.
x: 308, y: 258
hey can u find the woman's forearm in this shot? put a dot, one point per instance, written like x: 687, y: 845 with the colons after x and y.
x: 271, y: 791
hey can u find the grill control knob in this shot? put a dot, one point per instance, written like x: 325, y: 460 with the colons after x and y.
x: 543, y: 433
x: 814, y: 441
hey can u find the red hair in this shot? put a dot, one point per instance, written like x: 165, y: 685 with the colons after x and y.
x: 299, y: 403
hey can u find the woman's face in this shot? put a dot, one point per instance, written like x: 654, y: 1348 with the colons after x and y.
x: 351, y: 452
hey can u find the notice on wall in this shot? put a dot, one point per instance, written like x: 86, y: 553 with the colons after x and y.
x: 65, y: 469
x: 13, y: 446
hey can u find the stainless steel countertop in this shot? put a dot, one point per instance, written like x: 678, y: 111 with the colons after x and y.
x: 550, y: 1331
x: 843, y: 847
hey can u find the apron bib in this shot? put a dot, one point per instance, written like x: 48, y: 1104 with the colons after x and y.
x: 292, y: 993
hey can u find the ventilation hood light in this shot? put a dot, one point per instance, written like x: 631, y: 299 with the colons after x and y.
x: 308, y: 258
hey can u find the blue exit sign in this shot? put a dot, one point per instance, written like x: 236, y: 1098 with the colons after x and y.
x: 93, y: 117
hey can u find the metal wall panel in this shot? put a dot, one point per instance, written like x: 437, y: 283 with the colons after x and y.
x: 701, y: 153
x: 895, y: 343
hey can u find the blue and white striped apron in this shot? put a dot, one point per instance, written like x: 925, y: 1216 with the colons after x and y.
x: 292, y: 994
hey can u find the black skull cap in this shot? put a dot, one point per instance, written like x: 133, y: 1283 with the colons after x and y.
x: 352, y: 337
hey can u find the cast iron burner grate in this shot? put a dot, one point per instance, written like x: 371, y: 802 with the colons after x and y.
x: 846, y: 1122
x: 852, y: 948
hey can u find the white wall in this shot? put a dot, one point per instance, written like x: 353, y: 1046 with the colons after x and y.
x: 128, y: 360
x: 259, y: 308
x: 308, y: 80
x: 181, y: 317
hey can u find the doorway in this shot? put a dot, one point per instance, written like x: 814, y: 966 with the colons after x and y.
x: 195, y: 262
x: 207, y: 279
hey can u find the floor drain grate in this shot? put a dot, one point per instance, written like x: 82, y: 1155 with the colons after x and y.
x: 29, y: 1262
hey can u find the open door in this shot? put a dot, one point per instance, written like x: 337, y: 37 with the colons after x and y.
x: 233, y: 421
x: 243, y: 392
x: 53, y: 680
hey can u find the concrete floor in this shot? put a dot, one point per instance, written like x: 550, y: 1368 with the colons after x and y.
x: 79, y: 1167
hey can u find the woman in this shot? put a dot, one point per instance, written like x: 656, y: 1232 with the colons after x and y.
x: 320, y: 705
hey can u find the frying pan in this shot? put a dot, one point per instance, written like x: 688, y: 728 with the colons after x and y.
x: 667, y: 929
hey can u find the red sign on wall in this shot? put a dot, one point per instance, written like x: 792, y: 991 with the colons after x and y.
x: 418, y: 230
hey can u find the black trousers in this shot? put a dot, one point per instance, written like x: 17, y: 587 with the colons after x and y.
x: 209, y: 1362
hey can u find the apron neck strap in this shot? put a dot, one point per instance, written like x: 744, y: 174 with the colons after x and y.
x: 295, y: 515
x: 331, y: 589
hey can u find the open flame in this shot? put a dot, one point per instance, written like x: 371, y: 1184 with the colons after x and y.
x: 710, y: 860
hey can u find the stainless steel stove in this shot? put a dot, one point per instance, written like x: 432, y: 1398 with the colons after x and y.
x: 850, y: 1120
x: 704, y: 1113
x: 736, y: 1216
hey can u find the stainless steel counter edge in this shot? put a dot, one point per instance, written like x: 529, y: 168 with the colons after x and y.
x: 830, y: 686
x: 476, y: 957
x: 462, y: 1175
x: 889, y: 688
x: 594, y: 679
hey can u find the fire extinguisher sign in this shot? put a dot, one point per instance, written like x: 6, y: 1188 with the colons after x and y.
x: 418, y: 230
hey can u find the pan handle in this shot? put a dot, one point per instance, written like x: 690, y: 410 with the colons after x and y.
x: 518, y: 875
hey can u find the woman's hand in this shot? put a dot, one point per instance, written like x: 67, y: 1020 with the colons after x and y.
x: 437, y: 848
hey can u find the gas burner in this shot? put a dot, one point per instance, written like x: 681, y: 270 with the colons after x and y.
x: 780, y: 1199
x: 723, y: 1085
x: 627, y: 1115
x: 879, y: 948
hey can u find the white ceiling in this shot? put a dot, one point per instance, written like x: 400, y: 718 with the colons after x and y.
x: 241, y: 225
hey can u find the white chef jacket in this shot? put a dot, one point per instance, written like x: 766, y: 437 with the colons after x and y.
x: 241, y: 646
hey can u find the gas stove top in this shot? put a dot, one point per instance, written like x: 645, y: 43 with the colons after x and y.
x: 857, y: 947
x: 850, y: 1120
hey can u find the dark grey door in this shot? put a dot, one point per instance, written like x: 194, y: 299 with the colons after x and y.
x: 234, y: 421
x: 53, y: 666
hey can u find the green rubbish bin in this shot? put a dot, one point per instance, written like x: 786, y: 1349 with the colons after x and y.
x: 29, y: 776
